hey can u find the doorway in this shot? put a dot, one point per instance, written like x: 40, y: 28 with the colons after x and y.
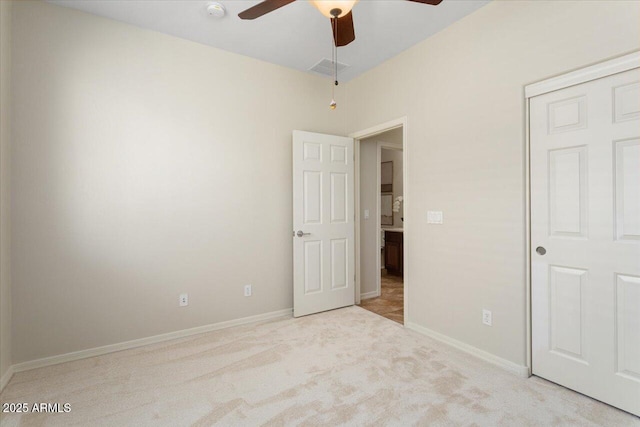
x: 380, y: 196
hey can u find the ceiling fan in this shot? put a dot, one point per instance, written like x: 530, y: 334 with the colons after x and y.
x: 339, y: 11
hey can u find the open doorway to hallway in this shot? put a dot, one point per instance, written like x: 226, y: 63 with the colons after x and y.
x: 381, y: 200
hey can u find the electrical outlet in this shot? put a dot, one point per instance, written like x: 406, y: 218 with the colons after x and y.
x: 435, y: 217
x: 184, y: 300
x: 247, y: 290
x: 486, y: 317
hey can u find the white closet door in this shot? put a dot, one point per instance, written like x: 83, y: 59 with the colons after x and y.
x: 585, y: 237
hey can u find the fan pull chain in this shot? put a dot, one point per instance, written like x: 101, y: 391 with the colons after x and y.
x: 334, y: 58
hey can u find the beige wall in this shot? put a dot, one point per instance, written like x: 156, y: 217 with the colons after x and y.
x: 369, y: 190
x: 145, y: 166
x: 5, y: 231
x: 462, y: 93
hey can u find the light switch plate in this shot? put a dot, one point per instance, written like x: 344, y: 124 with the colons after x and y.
x: 366, y: 214
x: 435, y: 217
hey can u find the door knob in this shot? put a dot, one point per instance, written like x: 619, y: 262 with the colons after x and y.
x: 540, y: 250
x: 300, y: 233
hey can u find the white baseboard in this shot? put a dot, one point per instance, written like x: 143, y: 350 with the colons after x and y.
x: 368, y: 295
x: 519, y: 370
x: 4, y: 380
x: 98, y: 351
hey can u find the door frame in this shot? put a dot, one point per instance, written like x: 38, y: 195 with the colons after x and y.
x: 582, y: 75
x: 357, y: 137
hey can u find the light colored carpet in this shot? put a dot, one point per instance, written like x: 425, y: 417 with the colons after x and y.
x: 345, y: 367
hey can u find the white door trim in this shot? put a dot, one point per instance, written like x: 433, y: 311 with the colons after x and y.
x: 572, y: 78
x: 357, y: 136
x: 583, y: 75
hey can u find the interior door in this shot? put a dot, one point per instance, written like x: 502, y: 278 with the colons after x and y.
x: 323, y: 223
x: 585, y: 236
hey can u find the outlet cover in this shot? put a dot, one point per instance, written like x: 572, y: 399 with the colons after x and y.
x: 247, y: 290
x: 435, y: 217
x: 486, y: 317
x: 184, y: 300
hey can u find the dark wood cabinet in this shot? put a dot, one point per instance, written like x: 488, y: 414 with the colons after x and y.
x: 393, y: 252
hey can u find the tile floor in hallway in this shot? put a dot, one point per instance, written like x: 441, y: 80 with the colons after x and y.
x: 390, y: 303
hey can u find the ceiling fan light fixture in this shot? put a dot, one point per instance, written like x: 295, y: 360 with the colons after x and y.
x: 326, y: 6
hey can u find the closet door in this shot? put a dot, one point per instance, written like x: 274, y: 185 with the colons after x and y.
x: 585, y: 236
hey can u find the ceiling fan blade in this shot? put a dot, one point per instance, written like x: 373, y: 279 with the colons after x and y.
x: 346, y: 33
x: 431, y: 2
x: 263, y: 8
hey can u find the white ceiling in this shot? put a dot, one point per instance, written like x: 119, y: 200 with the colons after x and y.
x: 296, y: 35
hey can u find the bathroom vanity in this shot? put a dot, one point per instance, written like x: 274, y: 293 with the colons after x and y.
x: 393, y: 250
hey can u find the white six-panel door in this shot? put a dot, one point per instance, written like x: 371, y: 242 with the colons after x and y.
x: 585, y: 237
x: 323, y: 223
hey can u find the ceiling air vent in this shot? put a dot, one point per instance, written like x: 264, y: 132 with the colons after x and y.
x: 326, y: 67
